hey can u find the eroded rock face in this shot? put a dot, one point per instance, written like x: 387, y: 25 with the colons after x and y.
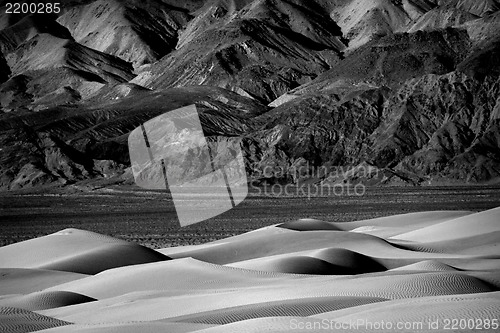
x: 434, y: 127
x: 394, y: 59
x: 264, y: 49
x: 462, y: 130
x: 31, y: 158
x: 135, y: 31
x: 58, y: 71
x: 4, y: 69
x: 68, y: 145
x: 406, y: 89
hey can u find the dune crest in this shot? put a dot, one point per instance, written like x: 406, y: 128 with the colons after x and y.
x: 77, y: 251
x: 420, y: 268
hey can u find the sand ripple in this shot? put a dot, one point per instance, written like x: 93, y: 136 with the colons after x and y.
x: 416, y: 268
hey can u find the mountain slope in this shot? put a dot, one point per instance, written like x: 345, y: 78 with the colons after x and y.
x: 134, y: 31
x: 405, y: 88
x: 361, y: 20
x: 67, y: 144
x: 58, y: 71
x: 262, y: 50
x: 440, y: 18
x: 476, y: 7
x: 393, y: 59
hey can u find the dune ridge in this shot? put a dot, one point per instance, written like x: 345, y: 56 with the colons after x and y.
x: 13, y: 320
x: 76, y: 251
x: 419, y: 267
x: 45, y: 300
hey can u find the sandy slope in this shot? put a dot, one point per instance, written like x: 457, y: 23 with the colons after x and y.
x: 24, y: 280
x: 75, y: 251
x: 301, y: 276
x: 44, y: 300
x: 471, y: 225
x: 423, y: 310
x: 18, y: 320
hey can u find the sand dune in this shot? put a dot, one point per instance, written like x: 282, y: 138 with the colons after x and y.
x: 329, y: 261
x: 75, y: 251
x: 392, y: 225
x: 481, y: 223
x: 13, y: 320
x: 412, y: 314
x: 154, y: 306
x: 420, y: 267
x: 296, y: 307
x: 352, y: 262
x: 309, y: 225
x: 293, y: 242
x: 480, y: 245
x: 410, y: 220
x: 145, y: 327
x: 491, y: 277
x: 21, y: 280
x: 465, y: 307
x: 45, y: 300
x: 426, y: 265
x: 177, y: 300
x: 173, y: 275
x: 294, y: 264
x: 269, y: 324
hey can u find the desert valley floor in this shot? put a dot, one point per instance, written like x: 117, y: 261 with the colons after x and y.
x: 427, y: 271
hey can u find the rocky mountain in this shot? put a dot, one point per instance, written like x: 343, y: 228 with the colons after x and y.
x: 260, y: 49
x: 135, y: 31
x: 408, y: 89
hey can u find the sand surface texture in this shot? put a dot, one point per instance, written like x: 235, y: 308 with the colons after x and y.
x: 421, y: 272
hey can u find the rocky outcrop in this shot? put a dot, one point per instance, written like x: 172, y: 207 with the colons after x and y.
x: 362, y: 20
x: 64, y: 145
x: 47, y: 52
x: 393, y: 59
x: 441, y: 18
x: 484, y: 30
x: 31, y: 158
x: 4, y: 69
x: 263, y: 50
x: 29, y: 26
x: 58, y: 71
x: 476, y: 7
x: 434, y: 128
x: 484, y: 61
x: 462, y: 142
x: 135, y: 31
